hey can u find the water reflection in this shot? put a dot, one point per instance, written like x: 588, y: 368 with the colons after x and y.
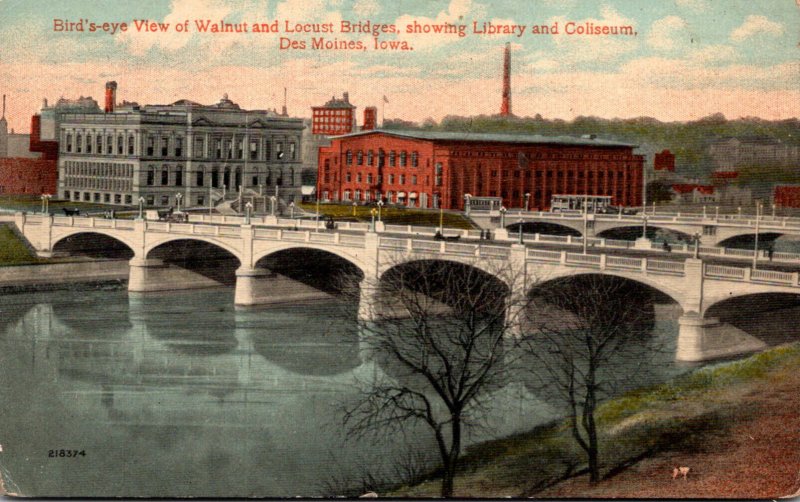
x: 181, y: 394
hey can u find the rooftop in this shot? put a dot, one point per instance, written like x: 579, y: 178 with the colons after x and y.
x: 492, y: 138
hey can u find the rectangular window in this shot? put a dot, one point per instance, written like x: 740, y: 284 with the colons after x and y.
x: 88, y: 144
x: 130, y: 145
x: 151, y: 141
x: 402, y: 179
x: 254, y: 181
x: 117, y: 198
x: 164, y: 146
x: 178, y: 146
x: 201, y: 200
x: 240, y: 149
x: 218, y: 149
x: 120, y: 145
x: 279, y: 150
x: 164, y: 177
x: 150, y: 199
x: 253, y: 149
x: 292, y: 151
x: 110, y: 145
x: 391, y: 179
x: 178, y: 177
x: 151, y: 177
x: 165, y: 200
x: 107, y: 198
x: 199, y: 143
x: 414, y: 179
x: 199, y: 178
x: 128, y: 199
x: 69, y: 142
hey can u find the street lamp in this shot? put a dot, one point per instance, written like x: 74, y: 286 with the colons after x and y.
x: 739, y: 212
x: 380, y: 206
x: 527, y: 201
x: 355, y: 204
x: 520, y: 230
x: 503, y: 216
x: 773, y: 211
x: 716, y: 212
x: 441, y: 220
x: 468, y: 205
x: 272, y: 200
x: 373, y: 212
x: 178, y: 198
x: 696, y: 245
x: 704, y: 212
x: 46, y: 203
x: 316, y: 216
x: 248, y: 208
x: 644, y: 226
x: 291, y: 210
x: 759, y: 206
x: 141, y: 208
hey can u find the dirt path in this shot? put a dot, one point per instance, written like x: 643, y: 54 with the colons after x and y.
x: 758, y: 456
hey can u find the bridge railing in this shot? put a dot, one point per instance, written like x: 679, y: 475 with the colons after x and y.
x: 724, y: 272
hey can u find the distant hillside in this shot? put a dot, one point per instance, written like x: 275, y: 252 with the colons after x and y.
x: 687, y: 140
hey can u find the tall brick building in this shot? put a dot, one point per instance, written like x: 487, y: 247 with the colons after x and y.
x: 436, y: 169
x: 337, y: 116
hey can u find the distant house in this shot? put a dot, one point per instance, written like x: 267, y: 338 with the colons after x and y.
x: 694, y: 193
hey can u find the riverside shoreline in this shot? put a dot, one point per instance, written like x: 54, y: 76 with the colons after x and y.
x: 735, y: 424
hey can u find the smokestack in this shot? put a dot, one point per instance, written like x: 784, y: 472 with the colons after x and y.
x: 4, y: 106
x: 285, y: 113
x: 505, y: 107
x: 346, y: 97
x: 111, y: 96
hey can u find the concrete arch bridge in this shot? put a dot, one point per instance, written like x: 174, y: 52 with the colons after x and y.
x: 694, y: 285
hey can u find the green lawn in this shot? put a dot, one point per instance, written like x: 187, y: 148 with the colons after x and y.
x: 12, y: 250
x: 391, y: 215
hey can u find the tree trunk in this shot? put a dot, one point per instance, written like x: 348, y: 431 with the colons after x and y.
x: 452, y: 460
x: 591, y: 432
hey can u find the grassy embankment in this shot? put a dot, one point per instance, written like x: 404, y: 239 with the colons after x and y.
x: 13, y: 251
x: 391, y: 215
x: 680, y: 419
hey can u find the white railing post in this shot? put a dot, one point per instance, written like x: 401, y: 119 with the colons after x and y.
x: 216, y: 230
x: 569, y: 239
x: 442, y: 247
x: 337, y: 238
x: 563, y: 258
x: 644, y: 265
x: 279, y: 234
x: 409, y: 244
x: 748, y: 274
x: 536, y: 237
x: 602, y: 261
x: 307, y: 236
x: 795, y: 279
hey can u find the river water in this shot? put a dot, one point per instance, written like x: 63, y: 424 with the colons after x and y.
x: 181, y: 394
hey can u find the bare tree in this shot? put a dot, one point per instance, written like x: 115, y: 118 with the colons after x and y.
x: 588, y: 337
x: 438, y: 330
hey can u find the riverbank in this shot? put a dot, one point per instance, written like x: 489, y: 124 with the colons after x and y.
x: 734, y: 424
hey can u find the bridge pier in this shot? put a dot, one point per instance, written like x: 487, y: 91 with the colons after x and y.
x: 140, y: 274
x: 702, y: 339
x: 247, y: 290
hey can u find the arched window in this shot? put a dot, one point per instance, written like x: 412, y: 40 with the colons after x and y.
x: 120, y: 144
x: 69, y: 149
x: 79, y: 143
x: 360, y: 158
x: 130, y: 144
x: 109, y: 144
x: 403, y: 158
x: 414, y: 159
x: 381, y: 157
x: 164, y: 176
x: 370, y: 158
x: 214, y: 178
x: 349, y: 157
x: 151, y: 176
x: 178, y: 177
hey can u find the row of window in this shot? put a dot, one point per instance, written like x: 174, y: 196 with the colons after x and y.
x: 227, y: 148
x: 229, y: 178
x: 105, y: 198
x: 74, y: 168
x: 411, y: 199
x: 97, y: 144
x: 380, y: 157
x: 115, y: 185
x: 523, y: 157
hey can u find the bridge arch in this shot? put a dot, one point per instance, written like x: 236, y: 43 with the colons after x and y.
x: 166, y: 239
x: 94, y: 243
x: 544, y: 228
x: 353, y: 259
x: 654, y: 232
x: 672, y: 292
x: 746, y: 240
x: 768, y: 316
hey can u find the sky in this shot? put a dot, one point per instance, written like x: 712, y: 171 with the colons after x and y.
x: 687, y: 58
